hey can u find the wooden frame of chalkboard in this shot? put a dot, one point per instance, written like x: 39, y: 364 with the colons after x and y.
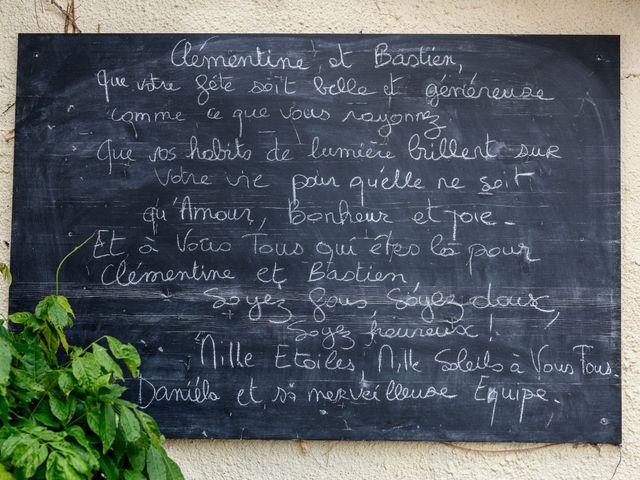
x: 393, y: 237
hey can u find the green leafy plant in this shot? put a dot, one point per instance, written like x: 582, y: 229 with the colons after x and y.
x: 61, y: 406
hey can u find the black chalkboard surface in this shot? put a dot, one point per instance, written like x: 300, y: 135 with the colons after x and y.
x: 398, y: 237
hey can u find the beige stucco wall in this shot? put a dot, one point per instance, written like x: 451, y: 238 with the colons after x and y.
x: 311, y: 460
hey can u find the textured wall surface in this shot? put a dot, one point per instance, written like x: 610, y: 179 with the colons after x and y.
x: 329, y: 460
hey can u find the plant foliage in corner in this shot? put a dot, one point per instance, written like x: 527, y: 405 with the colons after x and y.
x: 61, y: 407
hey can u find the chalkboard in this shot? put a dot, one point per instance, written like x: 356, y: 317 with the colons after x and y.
x: 396, y: 237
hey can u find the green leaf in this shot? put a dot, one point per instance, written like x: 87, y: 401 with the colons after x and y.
x: 4, y: 333
x: 58, y: 468
x: 129, y: 475
x: 86, y: 369
x: 21, y: 318
x: 102, y: 422
x: 73, y: 405
x: 51, y: 341
x: 4, y: 410
x: 60, y: 408
x: 150, y: 426
x: 25, y: 452
x: 80, y: 465
x: 33, y: 360
x: 173, y: 470
x: 46, y: 418
x: 29, y: 456
x: 57, y: 314
x: 5, y: 272
x: 129, y: 424
x: 43, y: 433
x: 66, y: 382
x: 63, y: 339
x: 6, y: 475
x: 119, y: 447
x: 160, y: 466
x: 64, y: 303
x: 127, y: 353
x: 136, y: 456
x: 101, y: 382
x: 109, y: 468
x: 5, y: 364
x: 111, y: 392
x: 79, y: 459
x: 10, y: 444
x: 56, y: 310
x: 155, y: 464
x: 43, y: 307
x: 106, y: 361
x: 22, y: 382
x: 77, y: 433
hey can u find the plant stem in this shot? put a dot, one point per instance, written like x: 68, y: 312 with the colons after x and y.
x: 78, y: 247
x: 86, y: 349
